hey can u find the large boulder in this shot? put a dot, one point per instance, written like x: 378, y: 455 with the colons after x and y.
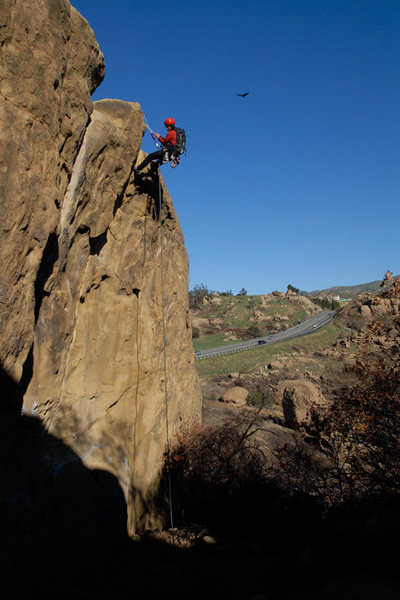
x: 274, y: 365
x: 365, y: 311
x: 201, y: 324
x: 237, y: 396
x: 217, y: 322
x: 298, y: 396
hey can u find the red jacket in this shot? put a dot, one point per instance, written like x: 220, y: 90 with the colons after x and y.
x: 169, y: 140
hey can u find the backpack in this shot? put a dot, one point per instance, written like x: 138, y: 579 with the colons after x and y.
x: 180, y: 146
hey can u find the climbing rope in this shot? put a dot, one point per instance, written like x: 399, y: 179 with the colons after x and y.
x: 152, y: 133
x: 147, y: 124
x: 164, y: 349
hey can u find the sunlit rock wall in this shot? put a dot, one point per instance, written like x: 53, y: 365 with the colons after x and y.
x: 80, y: 277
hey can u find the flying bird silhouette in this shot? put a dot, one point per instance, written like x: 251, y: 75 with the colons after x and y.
x: 243, y: 95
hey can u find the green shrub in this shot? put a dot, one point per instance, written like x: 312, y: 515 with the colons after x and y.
x: 258, y: 399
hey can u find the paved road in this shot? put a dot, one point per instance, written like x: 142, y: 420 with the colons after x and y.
x: 304, y: 328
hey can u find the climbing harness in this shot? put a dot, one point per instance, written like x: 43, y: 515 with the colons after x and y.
x: 164, y: 350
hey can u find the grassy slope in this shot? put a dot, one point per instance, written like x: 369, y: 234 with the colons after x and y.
x: 251, y: 360
x: 236, y: 312
x: 211, y: 341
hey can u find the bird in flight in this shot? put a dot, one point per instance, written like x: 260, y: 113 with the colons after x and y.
x: 243, y: 95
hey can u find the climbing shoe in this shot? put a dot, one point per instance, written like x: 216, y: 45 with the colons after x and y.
x: 175, y: 162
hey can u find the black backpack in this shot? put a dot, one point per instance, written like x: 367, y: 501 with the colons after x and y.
x: 180, y: 146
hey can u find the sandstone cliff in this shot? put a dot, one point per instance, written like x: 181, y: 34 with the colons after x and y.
x: 80, y: 276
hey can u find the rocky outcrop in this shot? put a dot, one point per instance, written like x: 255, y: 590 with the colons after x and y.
x: 278, y: 294
x: 365, y: 311
x: 298, y: 398
x: 237, y: 396
x: 50, y: 64
x: 366, y: 307
x: 87, y: 283
x: 201, y: 326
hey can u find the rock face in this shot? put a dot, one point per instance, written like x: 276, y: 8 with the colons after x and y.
x: 298, y: 397
x: 366, y: 307
x: 365, y: 311
x: 236, y: 396
x: 91, y: 270
x: 201, y: 325
x: 49, y: 66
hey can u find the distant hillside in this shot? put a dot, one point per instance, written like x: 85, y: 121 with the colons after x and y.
x: 221, y: 319
x: 349, y: 291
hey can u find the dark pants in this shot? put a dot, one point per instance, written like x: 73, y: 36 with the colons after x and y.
x: 157, y: 156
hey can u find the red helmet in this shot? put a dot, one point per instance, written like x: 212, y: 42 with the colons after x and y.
x: 169, y: 121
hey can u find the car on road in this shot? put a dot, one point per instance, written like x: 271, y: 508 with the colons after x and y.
x: 261, y: 342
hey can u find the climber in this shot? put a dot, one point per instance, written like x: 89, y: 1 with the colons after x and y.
x: 167, y: 151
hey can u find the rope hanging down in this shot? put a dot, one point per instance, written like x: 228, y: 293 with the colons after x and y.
x: 154, y: 138
x: 165, y: 349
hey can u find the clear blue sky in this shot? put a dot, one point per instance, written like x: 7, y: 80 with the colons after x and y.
x: 297, y: 183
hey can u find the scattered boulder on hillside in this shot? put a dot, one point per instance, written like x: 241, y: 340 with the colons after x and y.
x: 274, y: 365
x: 225, y: 383
x: 201, y: 324
x: 365, y: 311
x: 236, y: 395
x: 384, y: 306
x: 259, y: 317
x: 366, y: 308
x: 275, y: 437
x: 240, y: 382
x: 217, y: 323
x: 298, y: 396
x: 342, y: 343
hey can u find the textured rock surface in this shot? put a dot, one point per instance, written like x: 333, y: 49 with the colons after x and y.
x: 236, y: 396
x: 366, y: 307
x: 49, y: 66
x: 298, y: 397
x: 80, y: 279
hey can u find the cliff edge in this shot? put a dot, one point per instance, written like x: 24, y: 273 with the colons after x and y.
x: 85, y: 273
